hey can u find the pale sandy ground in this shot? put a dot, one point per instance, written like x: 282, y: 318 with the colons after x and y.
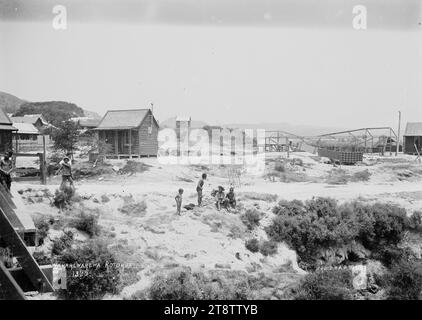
x: 158, y: 240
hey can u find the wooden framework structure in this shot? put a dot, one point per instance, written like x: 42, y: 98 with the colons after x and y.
x: 364, y: 140
x: 29, y: 276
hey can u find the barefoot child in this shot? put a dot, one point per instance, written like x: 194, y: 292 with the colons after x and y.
x: 199, y: 188
x: 178, y: 199
x: 66, y: 171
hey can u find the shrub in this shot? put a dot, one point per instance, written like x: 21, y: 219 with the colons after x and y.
x: 87, y: 222
x: 43, y: 226
x: 251, y: 218
x: 252, y: 245
x: 259, y: 196
x: 326, y: 285
x: 337, y: 176
x: 297, y: 162
x: 41, y: 258
x: 321, y: 223
x: 132, y: 167
x: 279, y: 167
x: 312, y: 225
x: 100, y: 274
x: 404, y: 281
x: 293, y: 177
x: 176, y: 286
x: 415, y: 221
x: 185, y: 285
x: 62, y: 243
x: 62, y: 197
x: 392, y: 255
x: 268, y: 248
x: 290, y: 208
x: 363, y: 175
x: 380, y: 224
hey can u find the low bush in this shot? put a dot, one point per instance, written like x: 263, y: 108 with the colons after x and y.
x: 86, y: 221
x: 279, y: 167
x: 43, y: 226
x: 326, y: 285
x: 132, y: 167
x: 415, y: 221
x: 41, y: 258
x: 62, y: 198
x: 64, y: 242
x: 359, y: 176
x: 321, y: 223
x: 337, y: 176
x: 259, y: 196
x: 251, y: 218
x: 99, y: 272
x: 88, y: 170
x: 404, y: 281
x: 268, y: 248
x: 252, y: 245
x: 185, y: 285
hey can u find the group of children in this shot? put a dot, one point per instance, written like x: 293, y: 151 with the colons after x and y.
x: 222, y: 200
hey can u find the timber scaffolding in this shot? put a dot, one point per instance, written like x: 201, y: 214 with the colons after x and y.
x: 17, y: 232
x: 365, y: 140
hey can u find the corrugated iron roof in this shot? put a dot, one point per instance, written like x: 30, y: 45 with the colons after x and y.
x: 122, y: 119
x: 413, y: 129
x: 26, y: 128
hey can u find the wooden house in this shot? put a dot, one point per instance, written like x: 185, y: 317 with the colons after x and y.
x: 6, y: 129
x: 128, y: 134
x: 412, y: 138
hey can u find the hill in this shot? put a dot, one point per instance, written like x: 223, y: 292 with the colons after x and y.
x: 53, y: 111
x: 10, y: 103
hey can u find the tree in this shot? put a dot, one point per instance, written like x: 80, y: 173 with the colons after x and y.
x: 66, y: 136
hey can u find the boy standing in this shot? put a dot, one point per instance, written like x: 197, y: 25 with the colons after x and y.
x: 179, y: 199
x: 199, y: 188
x: 6, y: 168
x: 66, y: 170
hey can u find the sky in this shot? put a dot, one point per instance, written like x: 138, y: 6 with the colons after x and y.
x: 232, y: 61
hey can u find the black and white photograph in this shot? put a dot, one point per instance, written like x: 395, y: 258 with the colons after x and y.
x: 226, y: 152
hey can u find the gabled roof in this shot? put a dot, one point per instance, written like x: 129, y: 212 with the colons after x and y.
x: 413, y: 129
x: 26, y: 128
x: 123, y: 119
x: 29, y: 118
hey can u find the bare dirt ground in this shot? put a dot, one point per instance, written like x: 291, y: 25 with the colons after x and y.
x: 138, y: 213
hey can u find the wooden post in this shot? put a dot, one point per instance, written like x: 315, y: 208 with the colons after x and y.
x: 398, y: 135
x: 116, y: 142
x: 130, y: 143
x: 43, y: 162
x: 288, y: 147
